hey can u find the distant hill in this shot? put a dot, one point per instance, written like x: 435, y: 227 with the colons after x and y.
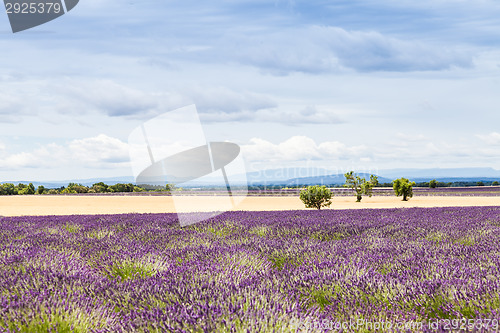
x: 306, y: 176
x: 337, y: 179
x: 456, y: 179
x: 442, y: 173
x: 285, y: 174
x: 310, y: 176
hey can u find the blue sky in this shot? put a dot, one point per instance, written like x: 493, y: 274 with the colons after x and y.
x: 335, y: 84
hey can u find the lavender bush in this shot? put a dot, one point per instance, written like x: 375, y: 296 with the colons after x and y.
x: 248, y: 271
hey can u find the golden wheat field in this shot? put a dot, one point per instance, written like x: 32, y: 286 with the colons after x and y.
x: 69, y: 205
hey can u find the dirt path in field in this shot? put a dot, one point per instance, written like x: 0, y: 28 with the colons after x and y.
x: 68, y: 205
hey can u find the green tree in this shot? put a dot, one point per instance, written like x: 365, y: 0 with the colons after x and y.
x: 24, y: 189
x: 68, y: 190
x: 76, y: 188
x: 100, y: 187
x: 8, y: 189
x: 360, y: 185
x: 81, y: 189
x: 41, y: 189
x: 122, y: 188
x: 495, y: 183
x: 316, y: 196
x: 31, y: 189
x: 404, y: 187
x: 433, y: 183
x: 480, y: 183
x: 138, y: 189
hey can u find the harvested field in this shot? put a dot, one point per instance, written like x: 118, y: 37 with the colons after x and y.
x: 83, y: 204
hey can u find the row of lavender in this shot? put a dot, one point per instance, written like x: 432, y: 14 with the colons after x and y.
x: 255, y: 271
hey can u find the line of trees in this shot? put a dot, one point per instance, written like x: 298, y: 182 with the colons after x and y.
x: 74, y: 188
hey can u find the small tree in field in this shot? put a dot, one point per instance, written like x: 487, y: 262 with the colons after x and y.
x: 404, y: 187
x: 433, y: 183
x: 360, y: 185
x: 316, y: 197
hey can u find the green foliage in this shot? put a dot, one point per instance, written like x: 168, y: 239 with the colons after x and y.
x: 404, y: 187
x: 72, y: 228
x: 157, y: 188
x: 360, y: 185
x: 321, y: 297
x: 316, y: 196
x: 279, y: 261
x: 122, y: 188
x: 8, y: 189
x: 41, y: 190
x: 78, y: 188
x: 31, y: 189
x: 495, y: 183
x: 138, y: 189
x: 73, y: 188
x: 433, y: 183
x: 58, y: 321
x: 100, y: 188
x: 130, y: 270
x: 325, y: 236
x: 24, y: 189
x: 480, y: 184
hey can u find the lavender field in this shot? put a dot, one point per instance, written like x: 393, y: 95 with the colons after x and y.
x: 249, y: 271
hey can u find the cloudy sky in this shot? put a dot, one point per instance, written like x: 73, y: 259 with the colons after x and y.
x: 337, y: 84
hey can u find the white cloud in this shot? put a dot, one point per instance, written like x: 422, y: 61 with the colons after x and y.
x: 490, y: 139
x: 318, y: 49
x: 411, y: 138
x: 216, y: 103
x: 48, y: 156
x: 300, y: 148
x: 12, y: 106
x: 106, y: 96
x: 289, y: 115
x: 99, y: 149
x: 81, y: 96
x: 96, y: 152
x: 219, y: 99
